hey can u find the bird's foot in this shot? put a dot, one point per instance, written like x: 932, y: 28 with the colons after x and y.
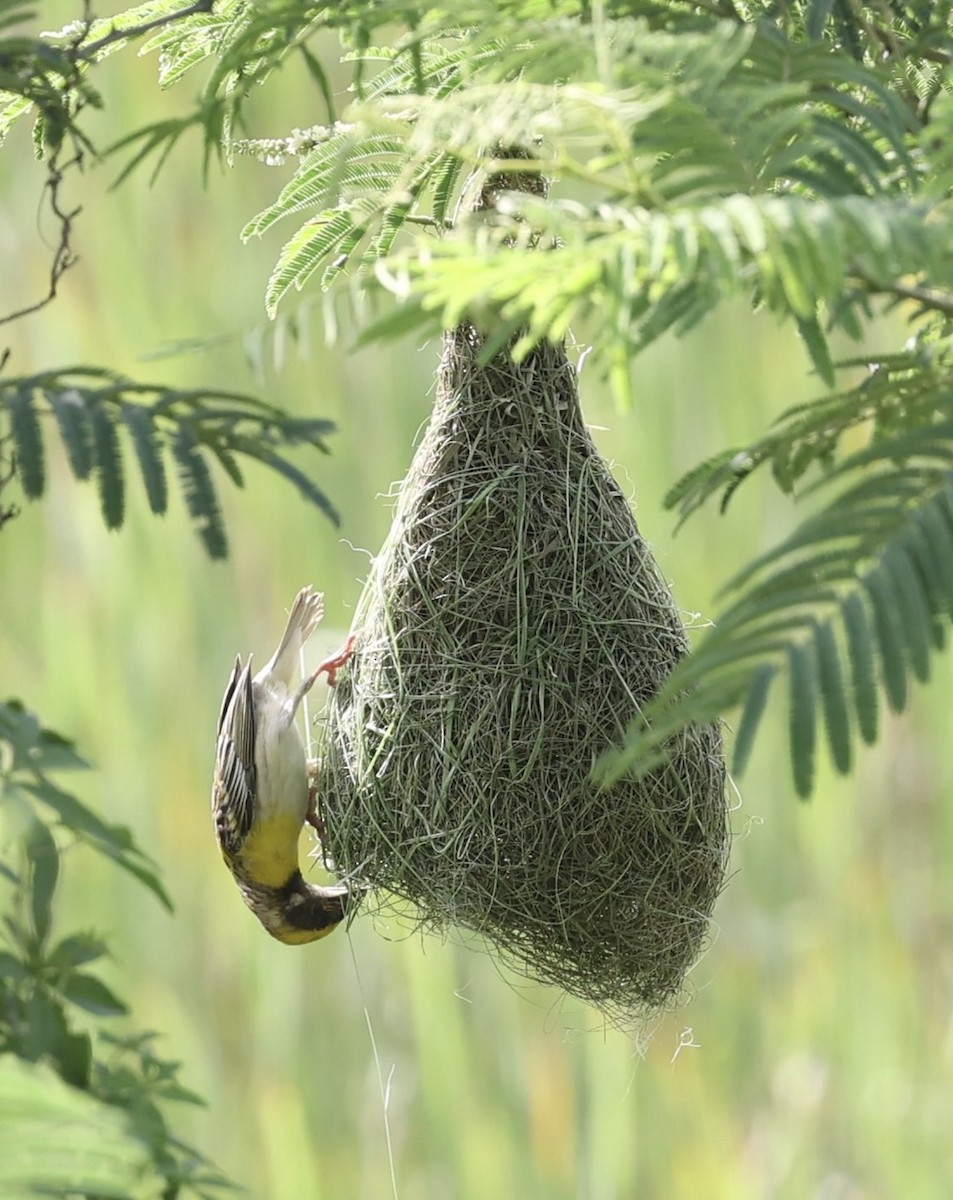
x: 332, y: 665
x: 311, y: 816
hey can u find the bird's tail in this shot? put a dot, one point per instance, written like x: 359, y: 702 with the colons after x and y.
x: 306, y: 612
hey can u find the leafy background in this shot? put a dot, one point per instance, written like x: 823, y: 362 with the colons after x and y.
x: 815, y: 1057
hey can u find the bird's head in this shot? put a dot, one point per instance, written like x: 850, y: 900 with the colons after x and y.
x: 298, y: 911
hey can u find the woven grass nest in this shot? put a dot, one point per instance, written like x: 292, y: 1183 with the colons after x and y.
x: 511, y: 627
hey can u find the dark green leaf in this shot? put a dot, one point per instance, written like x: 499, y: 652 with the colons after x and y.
x: 137, y: 865
x: 833, y: 697
x: 817, y: 13
x: 888, y: 630
x: 32, y: 745
x: 21, y: 730
x: 317, y: 73
x: 53, y: 752
x: 11, y: 969
x: 305, y: 485
x: 44, y: 871
x: 72, y: 417
x: 109, y: 475
x: 139, y: 421
x: 91, y: 994
x: 229, y: 464
x: 74, y: 1059
x: 751, y: 715
x: 77, y: 950
x: 111, y: 840
x: 27, y: 440
x: 860, y: 648
x: 803, y: 722
x: 912, y: 609
x: 199, y: 491
x: 816, y: 343
x: 44, y: 1026
x: 937, y: 558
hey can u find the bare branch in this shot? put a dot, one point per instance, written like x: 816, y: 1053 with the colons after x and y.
x: 64, y: 256
x: 929, y: 298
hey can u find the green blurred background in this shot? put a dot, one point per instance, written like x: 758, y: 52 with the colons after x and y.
x: 814, y: 1056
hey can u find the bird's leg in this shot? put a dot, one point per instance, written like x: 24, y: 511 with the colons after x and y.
x: 332, y: 665
x: 311, y: 816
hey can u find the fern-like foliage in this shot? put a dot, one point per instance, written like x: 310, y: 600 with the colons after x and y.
x: 106, y: 422
x: 850, y: 606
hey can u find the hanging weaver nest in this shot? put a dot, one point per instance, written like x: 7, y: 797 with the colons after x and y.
x: 513, y: 624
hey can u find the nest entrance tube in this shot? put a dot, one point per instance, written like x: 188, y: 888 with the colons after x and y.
x: 512, y: 626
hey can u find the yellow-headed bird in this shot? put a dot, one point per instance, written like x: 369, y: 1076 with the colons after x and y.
x: 260, y: 792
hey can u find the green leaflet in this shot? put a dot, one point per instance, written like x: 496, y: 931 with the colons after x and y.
x: 802, y: 679
x: 860, y: 647
x: 27, y: 441
x: 751, y: 715
x: 833, y: 696
x: 109, y: 472
x: 199, y: 492
x: 72, y: 418
x: 142, y: 431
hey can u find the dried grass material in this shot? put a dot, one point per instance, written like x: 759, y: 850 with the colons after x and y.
x: 512, y: 625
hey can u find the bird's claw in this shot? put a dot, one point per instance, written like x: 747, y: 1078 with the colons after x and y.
x: 311, y: 816
x: 332, y: 665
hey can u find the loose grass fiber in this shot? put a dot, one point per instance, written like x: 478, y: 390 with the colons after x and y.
x: 511, y: 627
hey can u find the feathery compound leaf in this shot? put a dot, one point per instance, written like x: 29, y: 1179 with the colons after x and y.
x: 27, y: 440
x: 864, y: 581
x: 72, y: 417
x: 444, y: 183
x: 199, y: 491
x: 315, y: 184
x: 304, y: 253
x: 142, y: 430
x: 109, y: 473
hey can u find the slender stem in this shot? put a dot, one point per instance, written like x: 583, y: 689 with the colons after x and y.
x: 91, y: 49
x: 930, y: 298
x: 63, y: 256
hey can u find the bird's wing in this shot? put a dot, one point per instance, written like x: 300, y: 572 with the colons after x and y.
x: 235, y: 783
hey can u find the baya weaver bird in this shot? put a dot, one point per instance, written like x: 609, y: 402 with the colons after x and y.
x: 261, y: 794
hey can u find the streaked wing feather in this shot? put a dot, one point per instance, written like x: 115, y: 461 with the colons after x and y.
x: 233, y: 793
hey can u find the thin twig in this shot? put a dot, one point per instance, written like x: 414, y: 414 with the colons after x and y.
x: 930, y: 298
x: 118, y: 35
x: 64, y: 256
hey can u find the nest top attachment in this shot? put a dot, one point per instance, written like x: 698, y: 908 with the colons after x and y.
x: 512, y: 626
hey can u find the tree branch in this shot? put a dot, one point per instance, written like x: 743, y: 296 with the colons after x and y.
x: 118, y: 35
x: 930, y: 298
